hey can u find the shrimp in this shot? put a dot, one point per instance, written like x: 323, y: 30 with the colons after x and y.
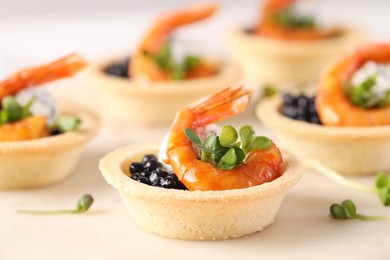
x: 143, y: 67
x: 332, y: 103
x: 31, y: 77
x: 268, y: 26
x: 260, y: 165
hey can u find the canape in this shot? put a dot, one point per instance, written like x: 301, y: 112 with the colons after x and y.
x: 41, y: 143
x: 157, y: 80
x: 204, y: 187
x: 286, y: 47
x: 346, y: 126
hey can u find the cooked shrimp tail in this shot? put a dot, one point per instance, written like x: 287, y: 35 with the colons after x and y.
x: 142, y: 66
x: 35, y: 76
x: 221, y: 105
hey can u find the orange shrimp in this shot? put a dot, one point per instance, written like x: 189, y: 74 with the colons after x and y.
x: 62, y: 68
x: 332, y: 103
x: 260, y: 165
x: 143, y: 67
x: 268, y: 26
x: 29, y: 128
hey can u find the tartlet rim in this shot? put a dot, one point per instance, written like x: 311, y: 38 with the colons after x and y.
x: 88, y: 129
x: 270, y: 108
x: 112, y: 172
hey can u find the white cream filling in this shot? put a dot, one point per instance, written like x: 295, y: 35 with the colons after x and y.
x: 369, y: 69
x: 203, y: 133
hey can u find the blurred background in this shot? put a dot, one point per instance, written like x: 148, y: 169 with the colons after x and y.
x: 34, y: 31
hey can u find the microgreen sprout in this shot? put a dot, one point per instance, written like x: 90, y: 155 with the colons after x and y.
x: 67, y: 123
x: 347, y: 210
x: 290, y: 18
x: 269, y: 91
x: 165, y: 61
x: 12, y: 111
x: 226, y: 151
x: 366, y: 97
x: 83, y: 204
x: 381, y: 188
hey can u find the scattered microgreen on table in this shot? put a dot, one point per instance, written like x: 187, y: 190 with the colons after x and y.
x: 347, y: 210
x: 381, y: 188
x: 165, y: 61
x: 83, y: 204
x: 226, y: 151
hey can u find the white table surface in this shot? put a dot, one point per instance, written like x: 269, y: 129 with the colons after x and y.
x: 302, y: 229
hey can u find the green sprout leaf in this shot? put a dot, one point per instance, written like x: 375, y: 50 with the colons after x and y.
x: 193, y: 137
x: 67, y: 123
x: 247, y: 134
x: 165, y: 61
x: 229, y: 160
x: 382, y: 185
x: 11, y: 110
x: 228, y: 136
x: 289, y: 18
x: 225, y: 151
x: 347, y: 210
x: 260, y: 142
x: 83, y: 204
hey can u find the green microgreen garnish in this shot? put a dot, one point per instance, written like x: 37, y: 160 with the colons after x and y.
x: 67, y: 123
x: 364, y: 95
x: 269, y: 91
x: 347, y: 210
x: 165, y: 61
x: 290, y: 18
x: 381, y: 188
x: 226, y: 151
x: 83, y: 204
x: 11, y: 111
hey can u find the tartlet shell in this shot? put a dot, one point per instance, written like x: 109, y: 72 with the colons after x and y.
x: 196, y: 215
x: 43, y: 161
x: 265, y: 60
x: 350, y: 151
x: 126, y: 101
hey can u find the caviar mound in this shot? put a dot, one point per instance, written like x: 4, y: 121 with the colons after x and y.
x: 119, y: 68
x: 300, y: 107
x: 197, y: 215
x: 151, y: 172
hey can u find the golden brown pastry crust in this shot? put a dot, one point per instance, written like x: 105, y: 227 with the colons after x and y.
x: 32, y: 163
x: 347, y: 150
x: 196, y: 215
x: 125, y: 101
x: 265, y: 60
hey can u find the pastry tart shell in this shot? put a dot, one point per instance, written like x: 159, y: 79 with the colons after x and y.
x: 271, y: 61
x: 196, y: 215
x: 350, y: 151
x: 43, y: 161
x: 126, y: 101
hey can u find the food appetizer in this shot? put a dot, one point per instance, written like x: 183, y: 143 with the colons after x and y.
x: 155, y: 79
x: 346, y: 125
x: 40, y: 142
x: 211, y: 184
x: 287, y: 47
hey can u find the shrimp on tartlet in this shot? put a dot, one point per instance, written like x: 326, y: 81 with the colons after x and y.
x: 220, y: 163
x: 152, y: 59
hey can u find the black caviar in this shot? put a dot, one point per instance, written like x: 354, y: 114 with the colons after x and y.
x: 300, y: 107
x: 151, y: 172
x: 119, y: 69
